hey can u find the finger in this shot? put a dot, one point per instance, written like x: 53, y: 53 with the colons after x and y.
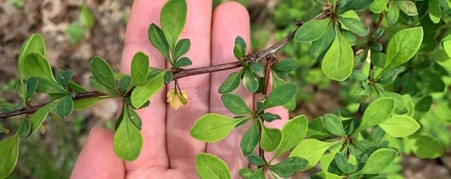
x: 143, y: 13
x: 182, y: 148
x: 97, y: 158
x: 229, y: 21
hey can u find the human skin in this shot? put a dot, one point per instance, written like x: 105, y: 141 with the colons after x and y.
x: 168, y: 149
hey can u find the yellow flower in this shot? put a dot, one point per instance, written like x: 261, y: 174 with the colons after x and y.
x: 175, y: 99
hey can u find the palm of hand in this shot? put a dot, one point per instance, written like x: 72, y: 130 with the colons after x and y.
x: 168, y: 150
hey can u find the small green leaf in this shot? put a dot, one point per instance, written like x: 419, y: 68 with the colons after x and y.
x: 286, y: 65
x: 378, y: 161
x: 270, y: 138
x: 400, y: 126
x: 312, y: 30
x: 321, y: 46
x: 25, y: 129
x: 408, y: 7
x: 293, y: 133
x: 49, y: 87
x: 209, y: 166
x: 379, y: 6
x: 334, y: 125
x: 168, y: 76
x: 134, y: 118
x: 9, y: 150
x: 250, y: 139
x: 250, y: 81
x: 128, y: 141
x: 103, y: 73
x: 256, y: 68
x: 86, y: 103
x: 65, y: 106
x: 86, y: 17
x: 213, y: 127
x: 140, y: 68
x: 269, y: 117
x: 346, y: 5
x: 339, y: 60
x: 281, y: 95
x: 182, y: 48
x: 311, y: 150
x: 173, y: 19
x: 392, y: 15
x: 141, y: 94
x: 355, y: 26
x: 403, y: 46
x: 255, y: 160
x: 36, y: 65
x: 235, y: 104
x: 63, y: 77
x: 35, y: 43
x: 435, y: 11
x: 240, y: 48
x: 377, y: 112
x: 231, y: 83
x: 158, y: 40
x: 38, y: 117
x: 287, y: 167
x: 183, y: 62
x: 426, y: 147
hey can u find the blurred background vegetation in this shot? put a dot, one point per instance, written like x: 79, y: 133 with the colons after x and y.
x: 76, y: 30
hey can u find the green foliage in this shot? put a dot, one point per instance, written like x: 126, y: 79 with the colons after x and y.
x: 9, y: 150
x: 141, y: 94
x: 311, y: 150
x: 235, y: 104
x: 339, y: 59
x: 378, y: 161
x: 128, y: 141
x: 210, y: 166
x: 173, y: 18
x: 214, y: 127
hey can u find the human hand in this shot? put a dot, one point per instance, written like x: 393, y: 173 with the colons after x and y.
x: 169, y: 150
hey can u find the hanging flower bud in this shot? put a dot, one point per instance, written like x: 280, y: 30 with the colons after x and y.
x: 175, y: 99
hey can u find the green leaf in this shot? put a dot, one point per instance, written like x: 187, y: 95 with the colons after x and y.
x: 231, y: 83
x: 400, y: 126
x: 355, y: 26
x: 36, y: 65
x: 270, y: 138
x: 86, y: 17
x: 38, y: 117
x: 379, y: 6
x: 377, y: 112
x: 311, y: 150
x: 213, y: 127
x: 49, y: 87
x: 63, y: 77
x: 158, y: 40
x: 346, y: 5
x: 320, y: 47
x: 235, y: 104
x: 339, y: 60
x: 392, y: 15
x: 435, y: 11
x: 25, y: 129
x: 408, y: 7
x: 127, y: 141
x: 173, y: 19
x: 281, y: 94
x: 250, y: 81
x: 250, y: 139
x: 403, y: 46
x: 287, y: 167
x: 103, y: 74
x: 134, y: 118
x: 35, y: 43
x: 183, y: 62
x: 286, y: 65
x: 256, y: 68
x: 86, y: 103
x: 293, y: 133
x: 141, y: 94
x: 269, y: 117
x: 312, y: 30
x: 334, y: 125
x: 182, y: 48
x: 31, y: 86
x: 168, y: 76
x: 209, y: 166
x: 65, y: 106
x: 378, y: 161
x: 9, y: 150
x: 240, y: 48
x: 140, y: 68
x: 426, y: 147
x: 255, y: 160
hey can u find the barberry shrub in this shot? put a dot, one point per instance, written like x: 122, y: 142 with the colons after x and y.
x: 396, y: 70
